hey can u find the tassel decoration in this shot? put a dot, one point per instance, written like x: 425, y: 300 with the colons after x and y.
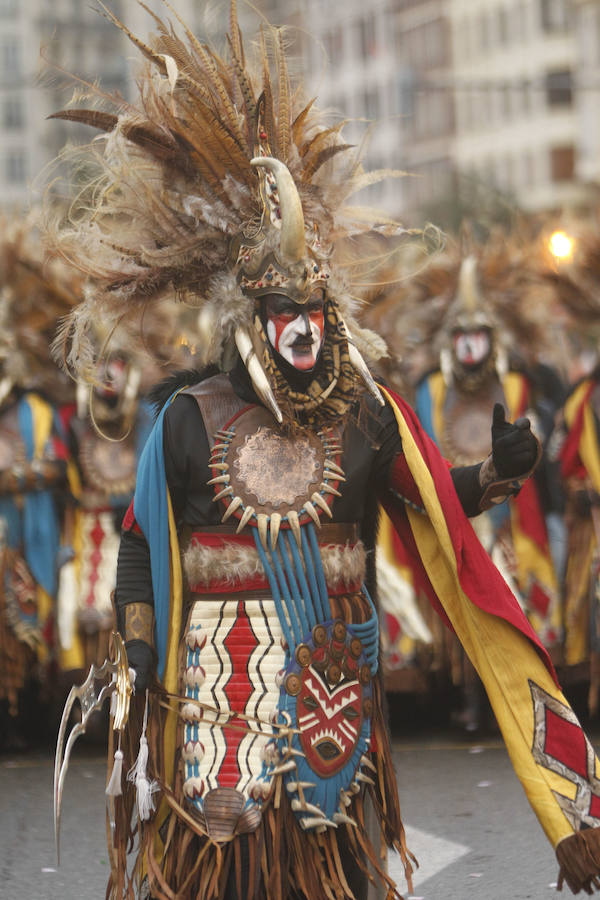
x: 145, y: 789
x: 113, y: 788
x: 579, y: 860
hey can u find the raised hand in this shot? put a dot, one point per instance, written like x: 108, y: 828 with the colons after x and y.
x: 514, y: 447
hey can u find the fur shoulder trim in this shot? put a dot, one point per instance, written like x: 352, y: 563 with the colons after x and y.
x: 160, y: 392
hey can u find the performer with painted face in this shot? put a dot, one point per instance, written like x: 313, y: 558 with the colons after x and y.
x: 107, y: 427
x: 244, y: 567
x: 487, y: 331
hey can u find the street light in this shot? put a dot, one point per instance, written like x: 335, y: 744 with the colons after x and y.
x: 560, y: 245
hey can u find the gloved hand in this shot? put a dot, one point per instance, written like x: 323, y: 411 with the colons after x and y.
x: 514, y: 448
x: 142, y: 660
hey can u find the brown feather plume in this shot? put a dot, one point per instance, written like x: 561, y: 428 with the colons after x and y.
x: 169, y: 182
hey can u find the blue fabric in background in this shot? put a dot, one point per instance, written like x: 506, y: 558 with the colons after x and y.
x: 39, y: 522
x: 424, y: 408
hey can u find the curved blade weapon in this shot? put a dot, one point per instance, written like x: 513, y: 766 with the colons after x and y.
x: 115, y: 675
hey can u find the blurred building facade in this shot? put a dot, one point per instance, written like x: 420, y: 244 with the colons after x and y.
x: 468, y: 96
x: 40, y: 43
x: 587, y: 36
x: 514, y: 75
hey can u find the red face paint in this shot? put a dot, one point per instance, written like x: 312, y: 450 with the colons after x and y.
x: 296, y: 330
x: 471, y: 347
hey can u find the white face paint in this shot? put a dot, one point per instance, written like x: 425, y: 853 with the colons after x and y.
x: 472, y: 347
x: 296, y: 332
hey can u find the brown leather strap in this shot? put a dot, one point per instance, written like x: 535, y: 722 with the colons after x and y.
x: 328, y: 533
x: 217, y: 401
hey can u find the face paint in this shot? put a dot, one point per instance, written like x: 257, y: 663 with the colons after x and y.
x: 296, y: 331
x: 472, y: 347
x: 113, y: 375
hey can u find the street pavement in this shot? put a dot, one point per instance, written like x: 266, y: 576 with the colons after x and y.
x: 467, y: 819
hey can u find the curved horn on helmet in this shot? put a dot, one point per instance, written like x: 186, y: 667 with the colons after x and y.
x: 256, y: 372
x: 361, y: 367
x: 468, y: 293
x: 292, y: 243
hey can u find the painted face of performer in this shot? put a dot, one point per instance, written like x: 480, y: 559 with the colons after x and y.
x: 113, y: 375
x: 471, y: 348
x: 296, y: 331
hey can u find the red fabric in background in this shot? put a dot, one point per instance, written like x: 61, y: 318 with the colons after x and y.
x: 527, y: 501
x: 479, y: 578
x: 531, y: 518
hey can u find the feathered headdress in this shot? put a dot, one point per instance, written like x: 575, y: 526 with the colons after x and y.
x: 574, y: 281
x: 465, y: 285
x: 219, y: 184
x: 35, y: 292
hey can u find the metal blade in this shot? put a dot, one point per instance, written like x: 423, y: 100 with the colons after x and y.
x: 119, y: 684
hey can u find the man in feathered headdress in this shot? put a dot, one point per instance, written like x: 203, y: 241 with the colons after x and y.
x: 241, y: 586
x: 107, y: 425
x: 486, y: 328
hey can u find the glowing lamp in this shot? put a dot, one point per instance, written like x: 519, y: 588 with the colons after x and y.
x: 560, y: 245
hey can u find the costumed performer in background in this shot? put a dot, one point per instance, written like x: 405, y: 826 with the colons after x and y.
x: 34, y: 293
x: 481, y: 302
x: 107, y: 426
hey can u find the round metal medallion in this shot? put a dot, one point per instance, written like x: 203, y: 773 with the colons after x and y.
x: 365, y: 674
x: 339, y: 631
x: 303, y: 655
x: 292, y: 685
x: 319, y: 635
x: 356, y: 647
x: 270, y: 469
x: 108, y: 466
x: 334, y: 673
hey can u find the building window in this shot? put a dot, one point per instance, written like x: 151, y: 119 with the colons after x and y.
x: 10, y: 57
x: 504, y: 103
x: 12, y: 114
x: 484, y: 37
x: 554, y: 15
x: 502, y: 22
x: 16, y: 167
x: 525, y: 96
x: 334, y: 44
x: 559, y: 88
x: 562, y: 163
x: 368, y: 43
x: 371, y: 102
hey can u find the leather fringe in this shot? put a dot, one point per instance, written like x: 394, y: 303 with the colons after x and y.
x: 578, y: 856
x: 279, y: 861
